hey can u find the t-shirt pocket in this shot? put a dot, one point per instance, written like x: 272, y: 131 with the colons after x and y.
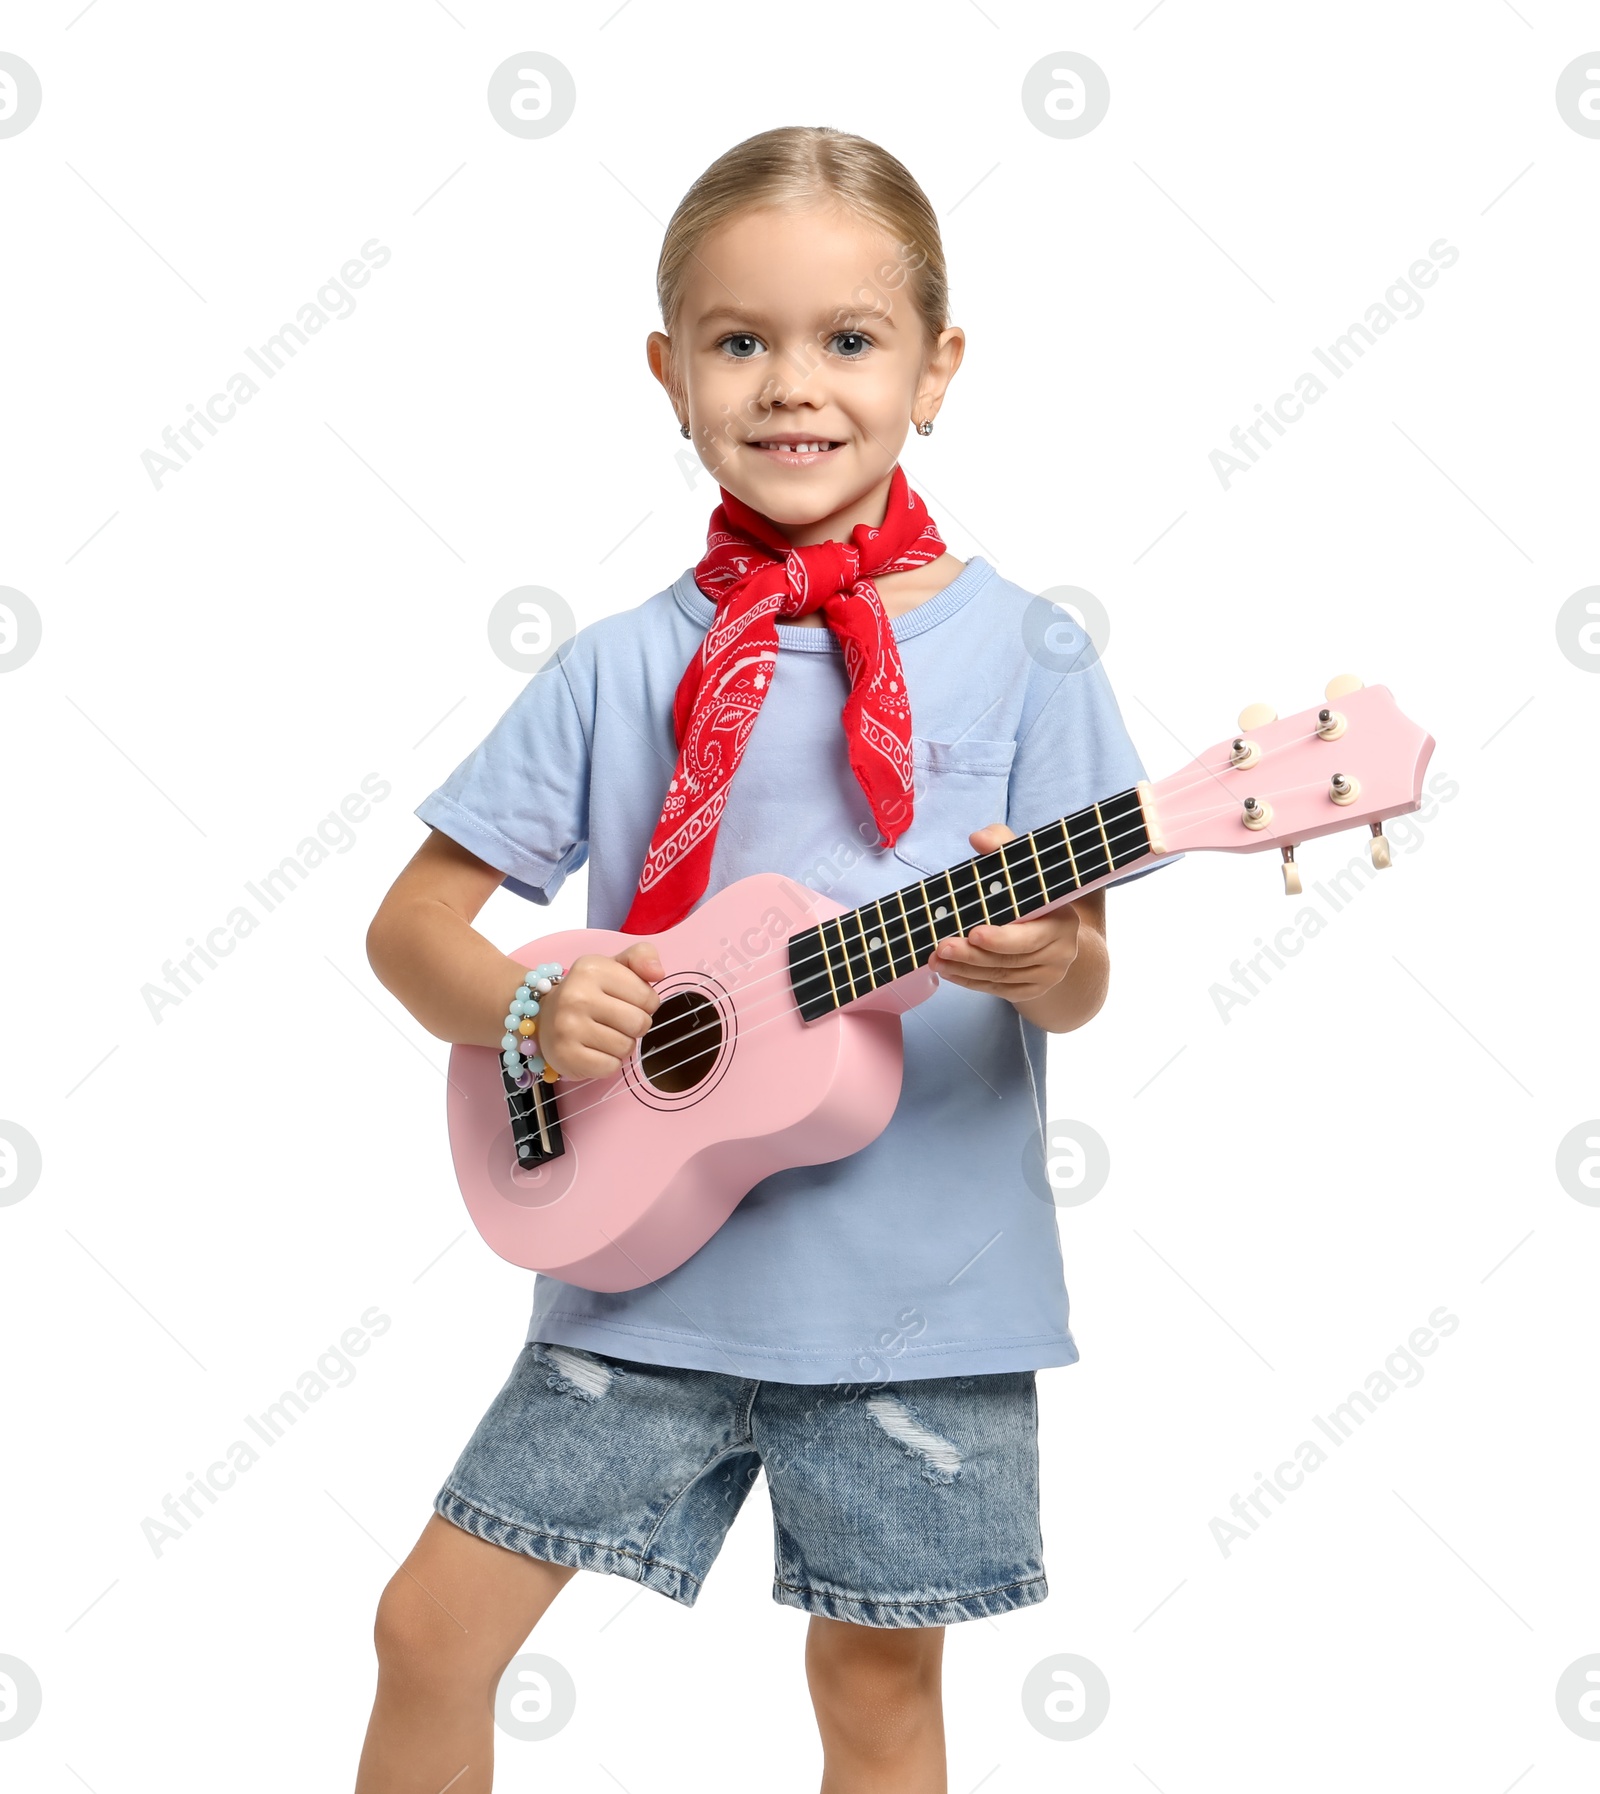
x: 958, y: 786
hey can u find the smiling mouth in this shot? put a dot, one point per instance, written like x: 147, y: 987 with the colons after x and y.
x: 796, y: 448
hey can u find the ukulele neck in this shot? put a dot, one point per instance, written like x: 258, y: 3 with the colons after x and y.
x: 851, y: 955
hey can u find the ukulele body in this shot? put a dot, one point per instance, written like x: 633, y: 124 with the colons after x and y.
x: 728, y: 1086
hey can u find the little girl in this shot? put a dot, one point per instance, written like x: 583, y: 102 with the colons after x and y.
x: 829, y: 695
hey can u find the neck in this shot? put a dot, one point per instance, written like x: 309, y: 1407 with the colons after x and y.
x: 834, y: 962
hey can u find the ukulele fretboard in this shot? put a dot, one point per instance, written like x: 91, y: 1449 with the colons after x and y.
x: 847, y: 956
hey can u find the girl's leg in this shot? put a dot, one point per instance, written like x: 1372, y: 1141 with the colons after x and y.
x: 876, y: 1691
x: 452, y: 1617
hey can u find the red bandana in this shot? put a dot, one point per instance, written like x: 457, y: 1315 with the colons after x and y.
x: 755, y: 577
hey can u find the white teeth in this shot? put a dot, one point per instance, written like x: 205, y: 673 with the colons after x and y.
x: 798, y: 448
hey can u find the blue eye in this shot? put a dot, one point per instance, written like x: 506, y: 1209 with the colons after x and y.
x: 857, y: 337
x: 740, y: 337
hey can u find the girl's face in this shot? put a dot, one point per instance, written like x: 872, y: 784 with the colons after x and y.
x: 799, y: 362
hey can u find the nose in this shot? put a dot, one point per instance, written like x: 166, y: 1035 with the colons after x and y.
x: 796, y: 381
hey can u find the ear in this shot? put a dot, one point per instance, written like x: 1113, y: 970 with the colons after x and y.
x: 939, y: 368
x: 658, y: 352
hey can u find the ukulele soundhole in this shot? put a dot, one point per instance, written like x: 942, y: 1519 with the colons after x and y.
x: 683, y: 1042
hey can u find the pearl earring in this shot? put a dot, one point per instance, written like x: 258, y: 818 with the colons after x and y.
x: 925, y: 428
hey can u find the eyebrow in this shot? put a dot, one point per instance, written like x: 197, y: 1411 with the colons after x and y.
x: 739, y: 314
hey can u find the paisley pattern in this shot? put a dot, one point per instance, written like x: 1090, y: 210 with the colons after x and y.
x: 754, y: 578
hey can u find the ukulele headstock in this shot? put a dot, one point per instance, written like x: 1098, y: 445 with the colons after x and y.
x: 1352, y: 760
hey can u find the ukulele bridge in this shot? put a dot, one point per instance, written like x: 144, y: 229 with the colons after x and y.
x: 535, y: 1120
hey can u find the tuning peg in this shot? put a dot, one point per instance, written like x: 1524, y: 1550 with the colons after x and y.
x: 1341, y: 683
x: 1378, y: 846
x: 1256, y: 716
x: 1291, y: 874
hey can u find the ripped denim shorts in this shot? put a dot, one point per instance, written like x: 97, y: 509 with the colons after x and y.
x: 893, y: 1504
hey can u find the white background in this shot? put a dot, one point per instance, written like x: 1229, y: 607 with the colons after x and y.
x: 1292, y: 1190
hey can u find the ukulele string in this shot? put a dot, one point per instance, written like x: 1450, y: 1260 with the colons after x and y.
x: 1050, y: 862
x: 1055, y: 857
x: 788, y: 1005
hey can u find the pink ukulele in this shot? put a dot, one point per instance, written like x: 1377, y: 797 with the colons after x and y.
x: 777, y: 1039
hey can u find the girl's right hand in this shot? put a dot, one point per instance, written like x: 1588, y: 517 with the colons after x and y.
x: 589, y: 1022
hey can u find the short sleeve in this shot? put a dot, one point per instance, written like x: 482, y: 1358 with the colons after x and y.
x: 1073, y: 748
x: 520, y: 799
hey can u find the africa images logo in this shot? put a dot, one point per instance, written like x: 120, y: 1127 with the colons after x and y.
x: 1401, y: 302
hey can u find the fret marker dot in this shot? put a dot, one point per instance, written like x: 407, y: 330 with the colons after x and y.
x: 874, y: 944
x: 941, y: 912
x: 995, y: 886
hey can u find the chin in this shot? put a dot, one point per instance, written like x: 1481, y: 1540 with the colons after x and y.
x: 799, y: 499
x: 797, y: 510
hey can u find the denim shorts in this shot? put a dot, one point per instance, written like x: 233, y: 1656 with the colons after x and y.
x: 893, y: 1504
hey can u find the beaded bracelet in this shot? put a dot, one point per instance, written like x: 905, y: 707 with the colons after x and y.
x: 519, y: 1049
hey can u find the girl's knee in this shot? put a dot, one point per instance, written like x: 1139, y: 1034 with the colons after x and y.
x: 418, y: 1642
x: 871, y: 1668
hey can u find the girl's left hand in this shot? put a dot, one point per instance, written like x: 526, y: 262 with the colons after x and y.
x: 1017, y: 960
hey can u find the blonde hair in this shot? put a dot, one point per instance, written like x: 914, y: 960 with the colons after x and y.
x: 793, y: 165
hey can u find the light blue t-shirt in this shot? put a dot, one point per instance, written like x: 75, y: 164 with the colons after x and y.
x: 929, y: 1252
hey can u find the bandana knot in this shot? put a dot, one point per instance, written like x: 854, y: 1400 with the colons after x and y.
x: 817, y: 574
